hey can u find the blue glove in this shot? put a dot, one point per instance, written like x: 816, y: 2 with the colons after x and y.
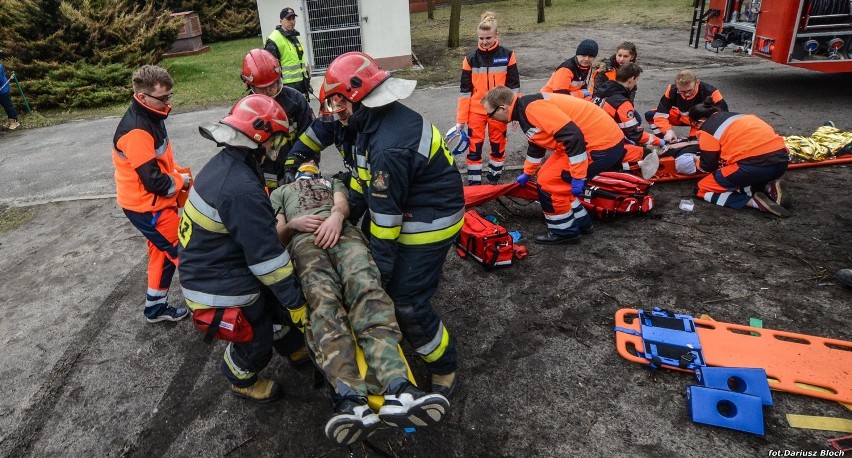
x: 577, y: 186
x: 662, y: 143
x: 522, y: 179
x: 586, y: 93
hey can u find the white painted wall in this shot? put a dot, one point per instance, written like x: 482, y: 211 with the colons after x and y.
x: 385, y: 25
x: 385, y: 28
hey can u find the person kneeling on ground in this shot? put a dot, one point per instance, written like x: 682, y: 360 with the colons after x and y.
x: 752, y: 157
x: 348, y: 307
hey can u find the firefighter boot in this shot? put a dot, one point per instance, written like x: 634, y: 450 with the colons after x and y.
x: 262, y: 391
x: 445, y: 385
x: 549, y: 238
x: 353, y: 420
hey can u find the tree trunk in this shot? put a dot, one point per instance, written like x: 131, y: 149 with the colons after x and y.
x: 455, y: 20
x: 540, y: 11
x: 430, y: 8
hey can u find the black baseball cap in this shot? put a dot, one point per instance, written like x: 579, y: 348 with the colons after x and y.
x: 288, y: 13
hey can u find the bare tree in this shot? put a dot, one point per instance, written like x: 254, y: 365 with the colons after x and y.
x: 430, y: 9
x: 540, y: 11
x: 455, y: 21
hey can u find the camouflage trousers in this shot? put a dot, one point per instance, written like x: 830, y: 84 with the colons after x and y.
x: 348, y: 307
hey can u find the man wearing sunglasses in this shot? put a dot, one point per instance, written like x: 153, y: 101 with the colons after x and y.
x: 148, y: 181
x: 673, y: 109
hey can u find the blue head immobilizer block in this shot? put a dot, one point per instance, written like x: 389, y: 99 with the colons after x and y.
x: 726, y: 409
x: 670, y: 339
x: 744, y: 380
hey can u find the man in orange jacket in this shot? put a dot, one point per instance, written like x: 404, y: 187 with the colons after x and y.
x: 585, y: 141
x: 673, y: 109
x: 148, y: 181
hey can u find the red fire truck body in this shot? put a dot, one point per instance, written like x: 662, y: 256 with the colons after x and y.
x: 813, y: 34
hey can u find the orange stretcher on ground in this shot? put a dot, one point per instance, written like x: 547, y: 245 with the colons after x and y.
x: 667, y: 171
x: 795, y: 363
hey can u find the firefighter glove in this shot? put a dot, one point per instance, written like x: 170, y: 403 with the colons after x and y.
x: 300, y: 317
x: 577, y: 186
x: 670, y: 136
x: 662, y: 143
x: 522, y: 179
x: 586, y: 93
x: 461, y: 127
x: 187, y: 180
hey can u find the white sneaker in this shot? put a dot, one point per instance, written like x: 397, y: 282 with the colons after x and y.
x: 353, y: 421
x: 409, y: 407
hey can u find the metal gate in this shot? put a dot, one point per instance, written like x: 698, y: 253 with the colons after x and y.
x: 335, y: 28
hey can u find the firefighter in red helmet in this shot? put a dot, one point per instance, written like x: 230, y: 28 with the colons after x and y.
x: 415, y: 199
x: 233, y: 269
x: 262, y: 75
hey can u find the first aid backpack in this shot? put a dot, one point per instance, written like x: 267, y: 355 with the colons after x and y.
x: 611, y: 194
x: 485, y: 242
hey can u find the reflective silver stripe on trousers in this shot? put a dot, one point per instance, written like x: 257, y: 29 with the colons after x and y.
x: 433, y: 344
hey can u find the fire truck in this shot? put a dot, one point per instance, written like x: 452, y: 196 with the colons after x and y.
x: 813, y: 34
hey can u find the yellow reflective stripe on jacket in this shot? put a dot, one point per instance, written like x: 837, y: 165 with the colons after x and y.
x: 385, y: 233
x: 197, y: 210
x: 424, y: 238
x: 355, y: 185
x: 309, y: 138
x: 273, y: 270
x: 439, y: 343
x: 292, y: 69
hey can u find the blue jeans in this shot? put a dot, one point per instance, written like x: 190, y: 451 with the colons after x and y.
x: 6, y: 101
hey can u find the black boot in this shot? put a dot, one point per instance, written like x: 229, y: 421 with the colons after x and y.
x: 549, y: 238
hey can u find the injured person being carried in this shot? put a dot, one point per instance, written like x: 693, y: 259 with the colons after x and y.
x: 347, y: 308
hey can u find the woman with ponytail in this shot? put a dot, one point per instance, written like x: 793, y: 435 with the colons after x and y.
x: 744, y: 158
x: 488, y: 66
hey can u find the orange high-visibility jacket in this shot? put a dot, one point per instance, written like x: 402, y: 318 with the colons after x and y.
x: 672, y: 103
x: 553, y: 121
x: 614, y: 98
x: 739, y: 138
x: 569, y: 78
x: 146, y: 177
x: 482, y: 70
